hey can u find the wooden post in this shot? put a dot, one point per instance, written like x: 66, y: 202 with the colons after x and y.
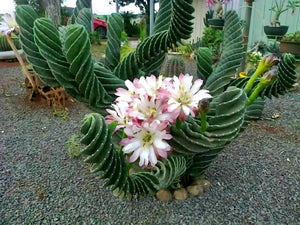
x: 25, y: 70
x: 248, y: 14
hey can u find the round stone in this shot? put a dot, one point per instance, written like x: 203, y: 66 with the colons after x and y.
x: 181, y: 194
x: 195, y: 190
x: 164, y: 195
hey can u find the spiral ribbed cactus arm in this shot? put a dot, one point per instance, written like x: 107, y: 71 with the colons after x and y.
x: 225, y: 118
x: 101, y: 153
x: 204, y: 63
x: 231, y: 56
x: 25, y: 17
x: 48, y: 41
x: 148, y: 51
x: 163, y: 17
x: 84, y: 18
x: 114, y: 35
x: 287, y: 77
x: 109, y: 81
x: 80, y: 4
x: 181, y: 21
x: 77, y: 50
x: 170, y: 170
x: 128, y: 68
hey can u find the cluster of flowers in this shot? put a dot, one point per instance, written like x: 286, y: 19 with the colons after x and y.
x: 211, y: 3
x: 146, y: 109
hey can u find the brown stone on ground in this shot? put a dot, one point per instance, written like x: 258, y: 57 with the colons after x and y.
x: 164, y: 195
x: 181, y: 194
x: 202, y: 182
x: 195, y: 190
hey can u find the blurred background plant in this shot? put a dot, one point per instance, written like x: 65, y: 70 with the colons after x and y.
x: 218, y: 12
x: 131, y: 27
x: 253, y: 57
x: 282, y: 6
x: 213, y: 39
x: 292, y: 37
x: 95, y: 38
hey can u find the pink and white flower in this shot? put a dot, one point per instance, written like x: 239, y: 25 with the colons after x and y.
x: 119, y: 115
x: 146, y: 109
x: 185, y: 96
x: 147, y: 142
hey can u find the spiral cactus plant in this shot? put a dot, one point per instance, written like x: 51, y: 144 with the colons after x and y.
x: 62, y: 57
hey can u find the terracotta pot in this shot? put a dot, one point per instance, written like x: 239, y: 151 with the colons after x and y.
x: 275, y: 32
x: 290, y: 47
x: 216, y: 23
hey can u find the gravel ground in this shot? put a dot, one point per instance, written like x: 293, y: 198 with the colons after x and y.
x: 255, y: 180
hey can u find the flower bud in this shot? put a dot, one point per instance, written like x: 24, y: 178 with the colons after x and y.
x: 270, y: 76
x: 270, y: 60
x: 203, y: 106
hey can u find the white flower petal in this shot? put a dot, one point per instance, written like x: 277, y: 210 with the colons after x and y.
x: 135, y: 155
x: 132, y: 146
x: 186, y: 110
x: 196, y: 86
x: 159, y: 143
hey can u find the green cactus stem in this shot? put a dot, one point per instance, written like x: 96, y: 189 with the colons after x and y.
x: 175, y: 66
x: 264, y: 65
x: 265, y: 81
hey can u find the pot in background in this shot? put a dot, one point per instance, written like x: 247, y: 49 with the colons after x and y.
x: 216, y: 23
x: 275, y: 32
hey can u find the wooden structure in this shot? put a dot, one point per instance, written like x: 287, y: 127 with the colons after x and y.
x: 56, y: 97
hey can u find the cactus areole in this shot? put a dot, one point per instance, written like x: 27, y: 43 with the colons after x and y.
x: 150, y: 132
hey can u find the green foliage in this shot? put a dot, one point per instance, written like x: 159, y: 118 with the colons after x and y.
x: 185, y: 49
x: 65, y: 14
x: 282, y: 6
x: 292, y: 37
x: 95, y: 38
x: 212, y: 38
x: 74, y: 147
x: 131, y: 27
x: 125, y: 50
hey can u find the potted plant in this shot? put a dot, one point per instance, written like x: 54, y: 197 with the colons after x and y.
x: 291, y: 43
x: 8, y: 27
x: 217, y: 22
x: 276, y: 30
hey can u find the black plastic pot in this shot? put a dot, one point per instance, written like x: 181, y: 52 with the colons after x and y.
x: 216, y: 23
x: 275, y: 32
